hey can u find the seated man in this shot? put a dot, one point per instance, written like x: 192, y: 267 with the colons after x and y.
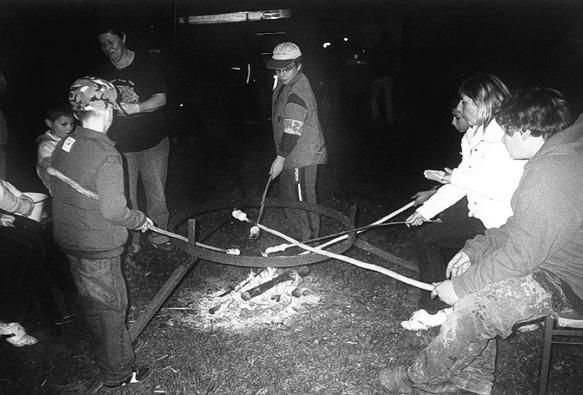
x: 528, y: 268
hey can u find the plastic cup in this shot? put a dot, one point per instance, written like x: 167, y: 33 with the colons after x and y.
x: 39, y: 201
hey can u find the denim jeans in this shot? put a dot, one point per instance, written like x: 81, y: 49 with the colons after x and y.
x: 104, y: 303
x: 463, y: 354
x: 299, y: 185
x: 151, y: 166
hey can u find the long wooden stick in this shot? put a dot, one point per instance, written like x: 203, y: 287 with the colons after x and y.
x: 74, y: 184
x: 352, y: 261
x: 262, y: 207
x: 283, y: 247
x: 380, y: 221
x: 230, y: 251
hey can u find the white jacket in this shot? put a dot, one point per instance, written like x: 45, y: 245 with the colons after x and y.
x: 487, y: 175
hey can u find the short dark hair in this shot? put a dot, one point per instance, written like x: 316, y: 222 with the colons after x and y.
x: 112, y: 26
x: 542, y: 111
x: 53, y: 113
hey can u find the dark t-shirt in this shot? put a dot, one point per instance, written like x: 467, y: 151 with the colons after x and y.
x: 136, y: 83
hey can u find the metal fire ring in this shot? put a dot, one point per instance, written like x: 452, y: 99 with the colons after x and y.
x: 275, y: 261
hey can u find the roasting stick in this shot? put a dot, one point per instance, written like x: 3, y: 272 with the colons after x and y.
x: 254, y: 231
x: 230, y: 251
x: 92, y: 195
x: 241, y: 216
x: 283, y: 247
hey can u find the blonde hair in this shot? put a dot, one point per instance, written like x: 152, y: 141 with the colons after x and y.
x: 488, y: 93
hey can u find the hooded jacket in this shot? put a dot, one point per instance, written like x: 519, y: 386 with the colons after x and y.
x: 546, y: 230
x: 85, y: 227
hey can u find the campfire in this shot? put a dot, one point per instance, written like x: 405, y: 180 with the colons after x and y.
x: 270, y: 296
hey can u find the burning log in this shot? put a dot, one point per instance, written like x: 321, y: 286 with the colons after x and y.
x: 289, y: 275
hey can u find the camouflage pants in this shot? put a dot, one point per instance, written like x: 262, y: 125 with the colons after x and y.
x: 463, y: 354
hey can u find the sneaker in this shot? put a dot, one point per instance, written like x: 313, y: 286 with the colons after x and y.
x: 139, y: 374
x: 396, y: 380
x: 166, y: 246
x: 529, y: 327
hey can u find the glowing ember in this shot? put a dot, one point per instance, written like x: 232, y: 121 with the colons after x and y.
x: 227, y: 310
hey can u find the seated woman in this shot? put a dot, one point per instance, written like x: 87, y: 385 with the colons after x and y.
x: 476, y: 194
x: 22, y: 251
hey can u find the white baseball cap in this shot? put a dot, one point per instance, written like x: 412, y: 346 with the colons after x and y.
x: 283, y: 55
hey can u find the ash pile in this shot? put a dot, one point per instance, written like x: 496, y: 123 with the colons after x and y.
x: 271, y: 296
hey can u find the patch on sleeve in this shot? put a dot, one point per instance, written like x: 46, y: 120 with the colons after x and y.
x: 292, y: 126
x: 68, y: 144
x: 295, y: 99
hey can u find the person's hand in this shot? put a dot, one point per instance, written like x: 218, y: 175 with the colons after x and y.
x: 276, y: 167
x: 27, y: 204
x: 148, y: 223
x: 415, y: 219
x: 7, y: 220
x: 435, y: 175
x: 423, y: 196
x: 445, y: 292
x: 458, y: 264
x: 446, y: 176
x: 130, y: 108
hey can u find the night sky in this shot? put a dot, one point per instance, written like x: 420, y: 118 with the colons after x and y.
x: 43, y: 48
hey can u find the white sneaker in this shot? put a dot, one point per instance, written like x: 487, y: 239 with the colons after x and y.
x: 17, y: 335
x: 528, y: 327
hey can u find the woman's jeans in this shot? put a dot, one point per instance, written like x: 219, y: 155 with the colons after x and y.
x: 151, y: 166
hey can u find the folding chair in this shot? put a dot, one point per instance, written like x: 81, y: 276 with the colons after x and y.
x: 566, y: 328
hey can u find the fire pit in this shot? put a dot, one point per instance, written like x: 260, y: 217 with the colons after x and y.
x: 270, y: 296
x: 194, y: 250
x: 270, y: 261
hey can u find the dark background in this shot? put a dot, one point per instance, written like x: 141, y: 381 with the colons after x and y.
x: 44, y: 46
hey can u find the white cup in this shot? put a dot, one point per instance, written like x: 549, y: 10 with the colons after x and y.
x: 39, y: 201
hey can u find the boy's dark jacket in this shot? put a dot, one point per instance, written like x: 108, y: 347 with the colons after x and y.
x: 86, y: 227
x: 546, y: 230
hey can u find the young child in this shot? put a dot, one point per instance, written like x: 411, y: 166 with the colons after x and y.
x: 60, y: 122
x: 299, y: 140
x: 90, y: 224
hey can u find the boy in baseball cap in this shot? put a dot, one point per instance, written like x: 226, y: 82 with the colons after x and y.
x: 298, y: 137
x: 91, y: 218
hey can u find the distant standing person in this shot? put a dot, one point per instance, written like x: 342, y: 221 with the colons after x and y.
x: 3, y: 130
x: 298, y: 137
x: 139, y: 129
x: 384, y: 64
